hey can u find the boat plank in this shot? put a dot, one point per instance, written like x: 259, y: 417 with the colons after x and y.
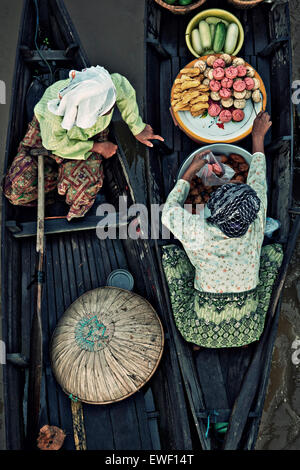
x: 176, y: 131
x: 143, y: 422
x: 169, y: 41
x: 77, y: 264
x: 125, y: 425
x: 98, y: 427
x: 111, y: 253
x: 209, y: 372
x: 70, y: 268
x: 166, y: 122
x: 170, y: 170
x: 64, y: 271
x: 96, y: 250
x: 237, y: 361
x: 153, y: 417
x: 27, y: 306
x: 84, y: 264
x: 105, y: 258
x: 59, y: 287
x: 91, y: 261
x: 248, y: 46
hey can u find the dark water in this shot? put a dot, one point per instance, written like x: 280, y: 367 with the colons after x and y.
x: 280, y: 427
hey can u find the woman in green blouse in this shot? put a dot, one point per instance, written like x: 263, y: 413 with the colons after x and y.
x: 71, y: 121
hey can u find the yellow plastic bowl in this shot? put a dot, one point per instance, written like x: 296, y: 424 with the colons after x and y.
x: 224, y: 15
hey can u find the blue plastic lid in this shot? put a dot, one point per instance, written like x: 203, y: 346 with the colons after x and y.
x: 120, y: 278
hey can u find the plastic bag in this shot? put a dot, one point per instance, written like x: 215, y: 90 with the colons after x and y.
x: 208, y: 175
x: 271, y: 226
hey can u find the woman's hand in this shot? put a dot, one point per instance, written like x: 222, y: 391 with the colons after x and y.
x: 196, y: 165
x: 106, y: 149
x: 261, y: 125
x: 146, y: 135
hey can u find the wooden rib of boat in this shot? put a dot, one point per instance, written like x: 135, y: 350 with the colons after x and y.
x: 231, y: 382
x: 156, y: 417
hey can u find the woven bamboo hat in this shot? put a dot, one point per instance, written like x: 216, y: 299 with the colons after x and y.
x: 106, y: 346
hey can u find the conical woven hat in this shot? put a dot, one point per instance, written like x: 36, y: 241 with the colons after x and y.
x: 106, y: 346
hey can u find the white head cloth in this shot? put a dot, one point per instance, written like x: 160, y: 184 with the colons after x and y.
x: 90, y: 94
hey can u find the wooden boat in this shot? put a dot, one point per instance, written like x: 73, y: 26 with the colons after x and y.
x: 76, y: 261
x: 226, y: 384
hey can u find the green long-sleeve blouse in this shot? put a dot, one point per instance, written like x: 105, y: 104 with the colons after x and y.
x: 75, y: 143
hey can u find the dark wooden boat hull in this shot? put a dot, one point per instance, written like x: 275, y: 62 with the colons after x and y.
x: 217, y: 380
x: 76, y: 261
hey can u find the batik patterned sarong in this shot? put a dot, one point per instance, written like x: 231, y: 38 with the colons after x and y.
x: 78, y: 180
x: 216, y: 320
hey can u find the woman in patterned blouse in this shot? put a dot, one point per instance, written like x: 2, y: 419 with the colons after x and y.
x: 221, y: 284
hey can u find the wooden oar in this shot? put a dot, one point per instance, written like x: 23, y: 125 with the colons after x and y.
x: 36, y: 338
x: 246, y: 396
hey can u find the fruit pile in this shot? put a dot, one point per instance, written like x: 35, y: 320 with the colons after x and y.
x: 231, y: 82
x: 200, y: 194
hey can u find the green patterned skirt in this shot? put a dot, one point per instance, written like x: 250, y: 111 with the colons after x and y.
x: 215, y: 320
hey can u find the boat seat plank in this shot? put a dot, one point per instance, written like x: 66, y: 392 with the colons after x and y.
x: 28, y: 228
x: 32, y: 56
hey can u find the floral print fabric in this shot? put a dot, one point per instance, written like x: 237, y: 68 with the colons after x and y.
x: 215, y: 320
x: 222, y: 264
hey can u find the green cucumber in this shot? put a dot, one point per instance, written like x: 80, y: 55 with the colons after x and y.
x: 215, y: 20
x: 220, y: 37
x: 205, y: 35
x: 231, y: 38
x: 196, y: 41
x: 212, y: 28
